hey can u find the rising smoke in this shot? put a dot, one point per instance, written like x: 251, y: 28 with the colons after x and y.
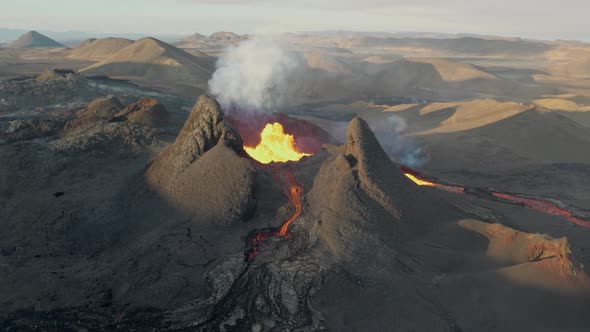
x: 391, y: 133
x: 260, y: 74
x: 264, y: 74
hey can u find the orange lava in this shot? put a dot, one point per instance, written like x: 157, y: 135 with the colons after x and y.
x: 294, y: 193
x: 420, y: 182
x: 257, y: 238
x: 545, y: 207
x: 275, y: 146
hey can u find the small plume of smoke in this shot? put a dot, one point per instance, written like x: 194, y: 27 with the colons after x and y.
x: 401, y: 148
x: 398, y: 124
x: 258, y: 74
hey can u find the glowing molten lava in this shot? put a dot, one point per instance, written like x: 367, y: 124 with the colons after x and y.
x: 417, y: 179
x: 420, y: 182
x: 257, y: 238
x: 294, y: 193
x: 275, y: 146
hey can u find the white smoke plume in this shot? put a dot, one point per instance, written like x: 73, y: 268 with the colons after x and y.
x: 400, y: 147
x: 258, y: 74
x: 265, y: 74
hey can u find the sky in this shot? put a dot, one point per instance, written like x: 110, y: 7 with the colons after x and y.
x: 539, y: 19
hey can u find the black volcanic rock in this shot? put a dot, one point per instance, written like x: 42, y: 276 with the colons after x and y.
x: 26, y: 129
x: 55, y: 74
x: 96, y: 128
x: 33, y: 39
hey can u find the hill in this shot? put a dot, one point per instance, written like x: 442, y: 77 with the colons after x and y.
x: 216, y: 40
x: 33, y: 39
x: 156, y: 64
x: 98, y: 49
x: 453, y: 71
x: 528, y: 138
x: 460, y: 116
x: 195, y: 38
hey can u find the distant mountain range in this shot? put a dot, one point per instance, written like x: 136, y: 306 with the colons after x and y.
x: 71, y: 38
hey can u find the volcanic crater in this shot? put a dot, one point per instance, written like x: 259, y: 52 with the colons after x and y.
x: 260, y: 222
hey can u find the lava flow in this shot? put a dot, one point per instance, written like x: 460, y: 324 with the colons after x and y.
x: 535, y: 204
x: 276, y: 146
x: 419, y: 180
x: 256, y: 238
x: 545, y: 207
x: 294, y: 193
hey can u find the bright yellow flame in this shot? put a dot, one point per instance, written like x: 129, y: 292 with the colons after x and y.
x: 275, y: 146
x: 419, y: 181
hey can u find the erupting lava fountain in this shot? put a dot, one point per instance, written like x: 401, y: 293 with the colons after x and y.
x: 275, y: 146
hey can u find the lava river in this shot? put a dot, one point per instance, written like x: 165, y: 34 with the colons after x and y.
x: 535, y: 204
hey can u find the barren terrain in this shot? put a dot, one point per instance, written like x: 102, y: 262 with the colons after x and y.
x: 443, y: 184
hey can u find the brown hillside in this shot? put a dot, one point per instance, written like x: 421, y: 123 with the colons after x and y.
x: 98, y: 49
x: 156, y: 64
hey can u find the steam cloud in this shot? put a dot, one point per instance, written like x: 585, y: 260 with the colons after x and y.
x: 399, y: 147
x: 258, y: 74
x: 264, y: 74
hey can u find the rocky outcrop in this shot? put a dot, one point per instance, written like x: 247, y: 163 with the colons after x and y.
x: 55, y: 74
x: 146, y: 111
x: 26, y: 129
x: 123, y: 139
x: 533, y: 259
x: 51, y: 88
x: 97, y: 128
x: 512, y: 246
x: 282, y: 292
x: 100, y: 110
x: 378, y: 175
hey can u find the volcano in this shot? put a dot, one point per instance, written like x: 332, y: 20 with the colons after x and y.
x: 352, y: 226
x: 213, y: 235
x: 33, y: 39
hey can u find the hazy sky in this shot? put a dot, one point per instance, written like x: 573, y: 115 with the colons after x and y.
x: 546, y: 19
